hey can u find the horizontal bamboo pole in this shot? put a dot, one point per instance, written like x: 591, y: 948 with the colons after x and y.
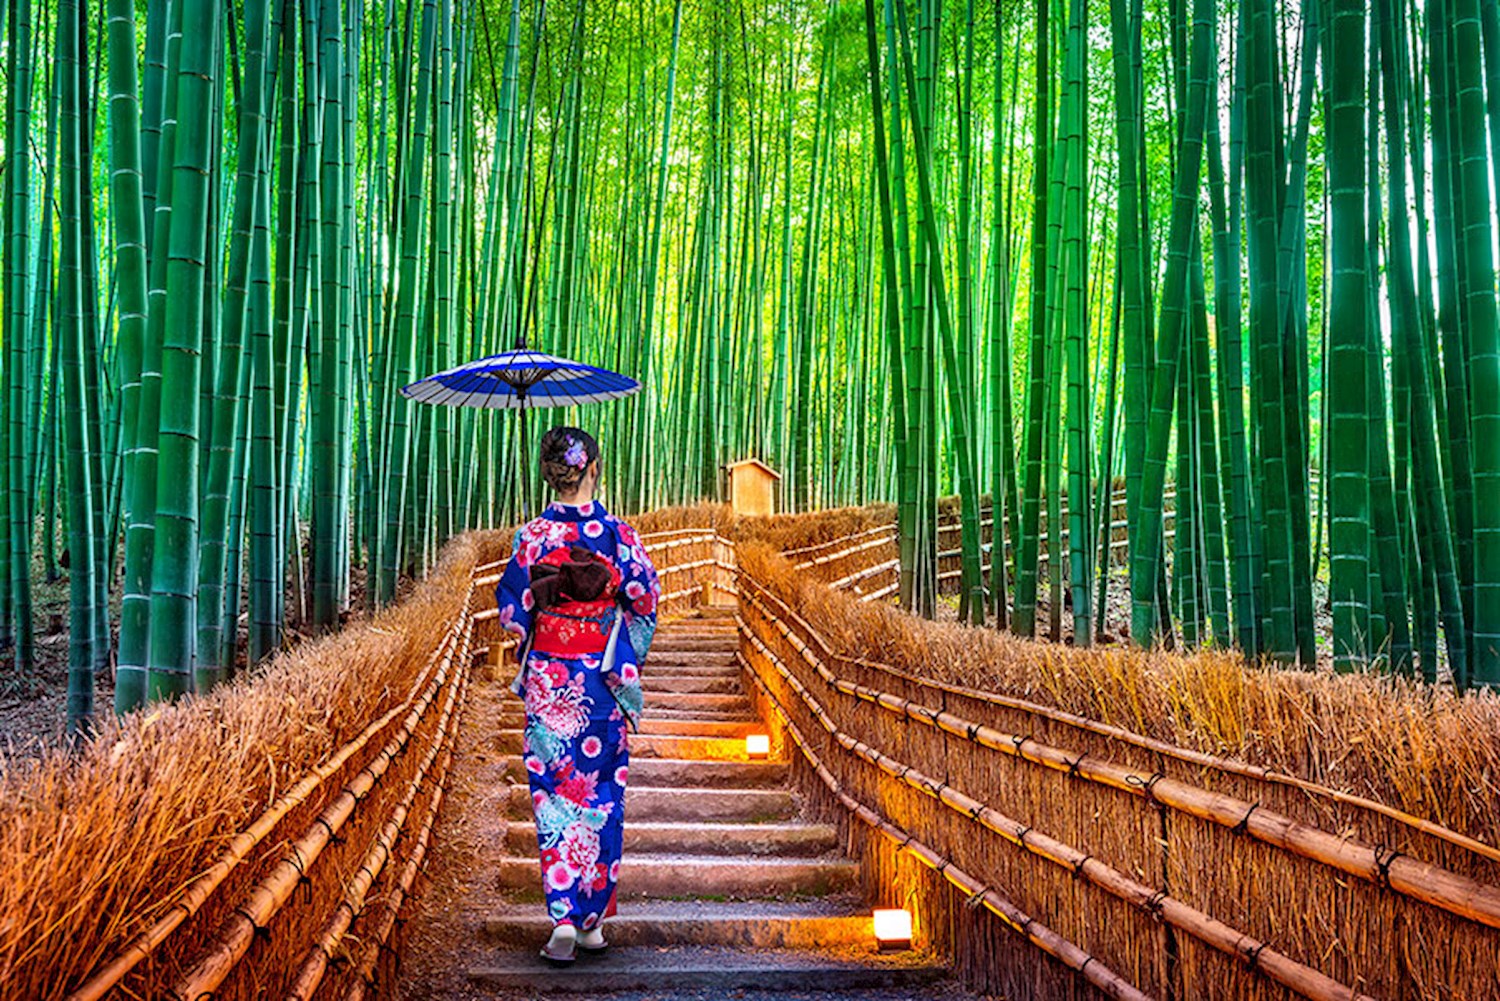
x: 197, y: 893
x: 996, y: 902
x: 886, y: 528
x: 1431, y: 884
x: 268, y: 896
x: 694, y: 565
x: 313, y: 968
x: 865, y: 574
x: 698, y: 538
x: 889, y: 589
x: 1230, y: 766
x: 843, y: 553
x: 1257, y: 955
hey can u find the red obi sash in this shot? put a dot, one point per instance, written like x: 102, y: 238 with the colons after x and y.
x: 567, y: 623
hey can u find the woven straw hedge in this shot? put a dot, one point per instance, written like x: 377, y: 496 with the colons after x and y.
x: 1224, y: 911
x: 97, y: 845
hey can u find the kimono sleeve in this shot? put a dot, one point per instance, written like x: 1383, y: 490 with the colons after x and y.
x: 513, y: 593
x: 639, y: 591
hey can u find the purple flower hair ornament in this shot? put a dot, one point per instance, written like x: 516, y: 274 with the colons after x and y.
x: 576, y: 455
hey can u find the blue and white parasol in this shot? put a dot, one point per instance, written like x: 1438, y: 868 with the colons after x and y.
x: 521, y: 380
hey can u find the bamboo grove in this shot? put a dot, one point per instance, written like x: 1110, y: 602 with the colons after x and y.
x: 1238, y: 256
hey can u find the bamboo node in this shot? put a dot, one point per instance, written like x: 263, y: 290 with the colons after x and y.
x: 1244, y: 824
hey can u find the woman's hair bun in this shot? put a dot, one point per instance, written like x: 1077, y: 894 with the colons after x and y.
x: 565, y: 453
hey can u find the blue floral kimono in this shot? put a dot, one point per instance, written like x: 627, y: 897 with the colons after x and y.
x: 581, y: 685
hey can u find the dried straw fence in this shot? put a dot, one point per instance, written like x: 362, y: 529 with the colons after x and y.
x: 865, y: 563
x: 1164, y: 827
x: 264, y: 841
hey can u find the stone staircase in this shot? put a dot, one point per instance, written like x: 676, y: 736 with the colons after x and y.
x: 724, y: 886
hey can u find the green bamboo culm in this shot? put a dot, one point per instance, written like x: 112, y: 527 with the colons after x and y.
x: 70, y: 67
x: 1476, y: 279
x: 1343, y: 46
x: 19, y: 479
x: 174, y: 580
x: 1146, y: 558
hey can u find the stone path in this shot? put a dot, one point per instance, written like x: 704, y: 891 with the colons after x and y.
x: 726, y: 891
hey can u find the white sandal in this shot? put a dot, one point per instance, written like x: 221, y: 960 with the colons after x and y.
x: 559, y: 948
x: 592, y: 943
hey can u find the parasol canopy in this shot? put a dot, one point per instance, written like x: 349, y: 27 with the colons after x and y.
x: 521, y: 380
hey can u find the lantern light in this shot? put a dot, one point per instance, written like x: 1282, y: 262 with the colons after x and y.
x: 893, y: 929
x: 757, y: 745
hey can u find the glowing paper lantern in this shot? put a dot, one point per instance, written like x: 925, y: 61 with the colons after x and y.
x: 757, y: 745
x: 893, y: 928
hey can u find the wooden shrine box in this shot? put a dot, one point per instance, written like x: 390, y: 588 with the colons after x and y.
x: 752, y: 487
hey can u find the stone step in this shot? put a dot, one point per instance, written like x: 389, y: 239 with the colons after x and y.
x: 695, y: 700
x: 655, y: 745
x: 728, y: 643
x: 698, y: 876
x: 716, y: 972
x: 732, y: 715
x: 655, y: 671
x: 680, y: 772
x: 706, y: 615
x: 827, y: 922
x: 781, y: 840
x: 661, y: 660
x: 714, y: 626
x: 709, y: 725
x: 663, y: 745
x: 665, y: 803
x: 685, y: 683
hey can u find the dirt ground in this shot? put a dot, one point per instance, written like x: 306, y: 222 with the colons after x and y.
x: 33, y: 709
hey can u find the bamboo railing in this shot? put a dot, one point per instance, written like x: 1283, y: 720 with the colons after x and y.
x: 369, y: 794
x: 1182, y: 874
x: 1044, y: 852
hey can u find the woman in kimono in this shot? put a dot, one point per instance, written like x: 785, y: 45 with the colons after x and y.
x: 581, y: 594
